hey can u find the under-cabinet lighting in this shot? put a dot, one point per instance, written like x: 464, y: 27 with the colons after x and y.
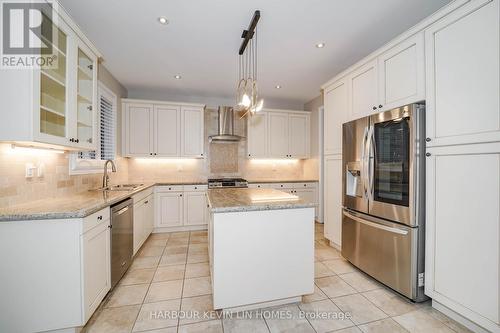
x: 274, y: 161
x: 278, y: 86
x: 177, y: 77
x: 166, y: 160
x: 320, y: 45
x: 32, y: 150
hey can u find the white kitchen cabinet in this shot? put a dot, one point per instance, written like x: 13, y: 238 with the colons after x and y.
x: 143, y: 220
x: 169, y: 209
x: 299, y: 135
x: 336, y: 99
x: 463, y: 74
x: 162, y: 129
x: 278, y: 134
x: 62, y: 273
x: 195, y: 208
x: 96, y: 266
x: 193, y: 135
x: 463, y: 230
x: 180, y: 207
x: 57, y: 105
x: 363, y: 88
x: 401, y: 72
x: 258, y: 135
x: 139, y: 123
x: 333, y: 199
x: 167, y: 129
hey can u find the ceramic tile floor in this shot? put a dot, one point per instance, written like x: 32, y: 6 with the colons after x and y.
x: 170, y: 273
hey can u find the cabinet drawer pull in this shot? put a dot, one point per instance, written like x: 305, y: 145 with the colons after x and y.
x: 99, y: 217
x: 145, y: 202
x: 427, y: 154
x: 428, y: 139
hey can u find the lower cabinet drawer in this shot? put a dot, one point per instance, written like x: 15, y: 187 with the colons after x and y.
x: 95, y: 219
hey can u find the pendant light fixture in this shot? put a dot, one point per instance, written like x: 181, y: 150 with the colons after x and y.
x: 247, y: 96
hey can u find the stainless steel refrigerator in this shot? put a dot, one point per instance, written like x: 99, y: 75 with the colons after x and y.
x: 383, y: 218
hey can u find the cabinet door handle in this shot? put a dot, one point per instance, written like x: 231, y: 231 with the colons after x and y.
x: 90, y: 67
x: 374, y: 108
x: 77, y: 140
x: 72, y: 140
x: 428, y: 154
x: 380, y: 106
x: 195, y: 188
x: 99, y: 217
x: 89, y: 108
x: 151, y: 154
x: 145, y: 202
x: 428, y: 139
x: 181, y: 195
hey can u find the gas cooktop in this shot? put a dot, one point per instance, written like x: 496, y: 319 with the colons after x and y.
x: 227, y: 183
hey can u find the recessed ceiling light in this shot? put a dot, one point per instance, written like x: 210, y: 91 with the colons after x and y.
x: 163, y: 20
x: 278, y: 86
x: 178, y: 77
x: 320, y: 45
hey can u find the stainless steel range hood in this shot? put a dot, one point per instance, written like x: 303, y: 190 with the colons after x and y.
x: 225, y: 132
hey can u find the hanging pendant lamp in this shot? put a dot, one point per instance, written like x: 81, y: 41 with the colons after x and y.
x: 247, y: 97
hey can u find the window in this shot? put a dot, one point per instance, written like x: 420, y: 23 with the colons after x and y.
x: 93, y: 161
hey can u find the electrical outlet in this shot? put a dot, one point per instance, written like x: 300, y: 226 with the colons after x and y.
x: 30, y: 170
x: 40, y: 169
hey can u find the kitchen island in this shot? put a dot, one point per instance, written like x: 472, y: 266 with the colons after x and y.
x: 261, y: 248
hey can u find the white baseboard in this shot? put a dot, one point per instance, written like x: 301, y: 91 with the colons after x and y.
x: 458, y: 318
x: 181, y: 228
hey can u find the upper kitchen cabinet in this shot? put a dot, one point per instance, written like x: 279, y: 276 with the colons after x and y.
x: 363, y: 88
x: 167, y: 129
x: 462, y: 76
x: 299, y: 135
x: 279, y: 134
x: 401, y: 72
x: 58, y: 106
x: 336, y: 113
x: 193, y: 131
x: 139, y: 131
x: 162, y: 129
x: 257, y: 137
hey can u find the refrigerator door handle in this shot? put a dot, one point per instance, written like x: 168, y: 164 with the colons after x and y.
x: 370, y: 162
x: 364, y: 173
x: 376, y: 225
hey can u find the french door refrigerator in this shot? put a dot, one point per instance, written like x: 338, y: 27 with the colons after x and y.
x: 383, y: 197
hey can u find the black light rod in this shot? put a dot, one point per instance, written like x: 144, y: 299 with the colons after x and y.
x: 248, y: 34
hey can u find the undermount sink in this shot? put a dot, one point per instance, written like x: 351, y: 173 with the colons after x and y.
x: 120, y: 187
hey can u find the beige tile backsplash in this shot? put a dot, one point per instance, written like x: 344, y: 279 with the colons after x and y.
x: 222, y: 160
x: 56, y: 181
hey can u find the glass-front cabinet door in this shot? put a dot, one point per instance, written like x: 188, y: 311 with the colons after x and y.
x: 54, y: 82
x: 85, y: 100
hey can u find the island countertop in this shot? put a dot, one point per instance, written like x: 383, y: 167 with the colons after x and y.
x: 252, y: 199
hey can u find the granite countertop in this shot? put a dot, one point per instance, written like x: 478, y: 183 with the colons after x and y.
x: 77, y: 205
x: 270, y: 180
x: 246, y: 199
x: 83, y: 204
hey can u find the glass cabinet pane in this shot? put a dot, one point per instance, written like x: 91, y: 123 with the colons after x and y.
x: 53, y: 83
x: 392, y: 144
x: 85, y: 100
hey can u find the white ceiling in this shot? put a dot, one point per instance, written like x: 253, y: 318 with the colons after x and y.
x: 203, y: 36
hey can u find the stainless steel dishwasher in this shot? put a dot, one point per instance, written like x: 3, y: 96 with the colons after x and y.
x: 122, y: 225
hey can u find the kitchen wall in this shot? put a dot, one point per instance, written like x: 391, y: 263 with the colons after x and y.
x: 222, y: 160
x: 210, y: 101
x: 311, y: 166
x: 15, y: 188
